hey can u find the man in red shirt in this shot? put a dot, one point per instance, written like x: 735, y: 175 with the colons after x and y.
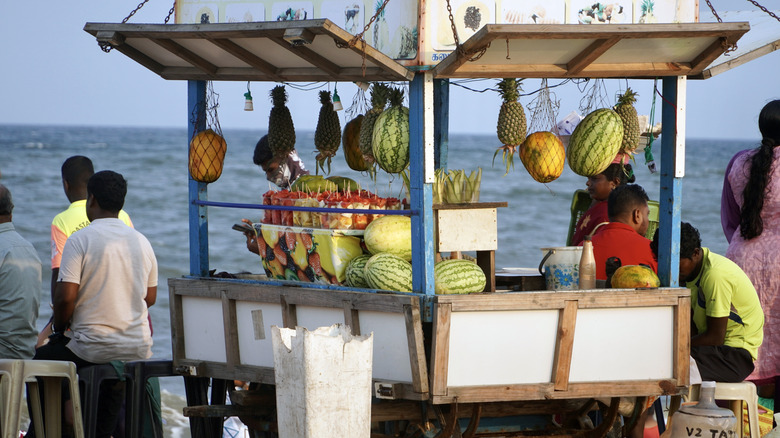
x: 623, y: 237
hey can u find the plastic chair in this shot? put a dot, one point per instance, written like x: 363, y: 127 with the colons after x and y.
x: 90, y: 379
x: 13, y: 373
x: 581, y: 201
x: 736, y: 393
x: 138, y: 373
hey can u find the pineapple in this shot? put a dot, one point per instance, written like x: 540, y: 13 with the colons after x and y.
x: 379, y: 94
x: 627, y: 112
x: 511, y: 127
x: 327, y: 136
x: 281, y: 131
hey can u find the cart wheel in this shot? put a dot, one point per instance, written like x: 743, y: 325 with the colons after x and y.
x: 609, y: 420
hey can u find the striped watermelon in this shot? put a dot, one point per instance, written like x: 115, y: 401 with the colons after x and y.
x: 390, y: 140
x: 458, y: 277
x: 388, y: 272
x: 391, y: 234
x: 595, y: 142
x: 355, y: 273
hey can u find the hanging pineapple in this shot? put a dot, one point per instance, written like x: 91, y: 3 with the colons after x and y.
x: 379, y: 93
x: 281, y: 131
x: 627, y: 112
x: 327, y: 136
x: 511, y: 126
x: 391, y: 135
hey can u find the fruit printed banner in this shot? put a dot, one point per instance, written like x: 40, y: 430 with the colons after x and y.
x: 307, y: 254
x: 400, y: 34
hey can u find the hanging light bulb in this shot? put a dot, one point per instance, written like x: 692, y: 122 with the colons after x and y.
x: 336, y: 100
x: 248, y: 99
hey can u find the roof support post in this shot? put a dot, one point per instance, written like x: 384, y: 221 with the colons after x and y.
x: 421, y: 161
x: 441, y: 122
x: 672, y: 172
x: 199, y: 226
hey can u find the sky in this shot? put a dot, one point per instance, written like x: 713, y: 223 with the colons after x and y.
x: 54, y: 73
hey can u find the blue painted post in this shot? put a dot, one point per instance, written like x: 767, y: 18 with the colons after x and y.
x: 441, y: 122
x: 199, y: 235
x: 672, y: 171
x: 421, y: 192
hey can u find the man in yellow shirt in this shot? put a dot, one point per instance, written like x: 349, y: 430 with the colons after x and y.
x: 727, y: 318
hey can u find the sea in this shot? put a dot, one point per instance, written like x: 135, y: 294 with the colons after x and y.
x: 154, y: 162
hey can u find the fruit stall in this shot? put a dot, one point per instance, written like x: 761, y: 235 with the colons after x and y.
x: 439, y: 356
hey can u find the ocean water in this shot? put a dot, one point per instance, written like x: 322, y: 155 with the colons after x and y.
x: 154, y: 161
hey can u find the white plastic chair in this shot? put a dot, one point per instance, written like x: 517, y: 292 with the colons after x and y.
x: 736, y: 393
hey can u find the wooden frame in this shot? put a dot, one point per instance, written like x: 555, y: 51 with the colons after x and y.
x: 226, y: 294
x: 568, y: 305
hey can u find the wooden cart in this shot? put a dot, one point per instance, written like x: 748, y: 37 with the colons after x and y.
x: 482, y: 355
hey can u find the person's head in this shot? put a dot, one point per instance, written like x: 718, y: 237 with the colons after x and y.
x: 6, y: 204
x: 106, y: 192
x: 628, y: 204
x: 691, y: 254
x: 751, y: 225
x: 274, y: 167
x: 615, y: 175
x: 76, y: 171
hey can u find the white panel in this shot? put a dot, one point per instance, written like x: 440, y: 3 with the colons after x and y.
x: 204, y: 331
x: 258, y: 352
x: 312, y: 318
x: 502, y: 347
x: 391, y: 348
x: 474, y: 229
x: 623, y: 344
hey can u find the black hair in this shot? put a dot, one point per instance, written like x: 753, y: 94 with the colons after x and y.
x: 109, y: 189
x: 77, y: 169
x: 751, y: 225
x: 689, y: 241
x: 624, y: 199
x: 621, y: 172
x: 263, y: 152
x: 6, y: 202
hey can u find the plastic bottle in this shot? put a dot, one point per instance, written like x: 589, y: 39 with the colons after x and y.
x: 704, y: 419
x: 587, y: 266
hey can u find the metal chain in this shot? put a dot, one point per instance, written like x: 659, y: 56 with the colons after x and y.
x: 727, y: 46
x: 137, y: 8
x: 173, y: 9
x: 771, y: 14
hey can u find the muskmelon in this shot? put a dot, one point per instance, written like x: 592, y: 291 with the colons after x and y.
x: 391, y: 234
x: 633, y: 276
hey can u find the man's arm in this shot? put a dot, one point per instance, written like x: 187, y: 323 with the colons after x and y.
x: 715, y: 334
x: 55, y: 272
x: 64, y: 303
x: 151, y: 296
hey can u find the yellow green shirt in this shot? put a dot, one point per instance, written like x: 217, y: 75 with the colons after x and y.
x: 723, y: 289
x: 67, y: 223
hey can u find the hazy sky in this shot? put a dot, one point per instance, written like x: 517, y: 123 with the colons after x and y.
x: 54, y: 73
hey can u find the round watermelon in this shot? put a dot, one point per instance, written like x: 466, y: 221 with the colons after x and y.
x: 391, y: 234
x: 388, y: 272
x: 458, y: 277
x: 355, y: 271
x: 595, y: 142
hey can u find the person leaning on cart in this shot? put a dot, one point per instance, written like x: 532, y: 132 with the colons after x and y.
x: 282, y: 171
x: 727, y: 320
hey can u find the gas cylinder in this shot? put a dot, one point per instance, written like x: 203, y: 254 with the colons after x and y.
x: 704, y: 419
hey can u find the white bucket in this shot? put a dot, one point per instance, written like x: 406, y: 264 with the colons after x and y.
x: 561, y: 267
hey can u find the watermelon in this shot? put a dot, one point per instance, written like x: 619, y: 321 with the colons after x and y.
x: 458, y: 277
x: 390, y: 140
x: 595, y: 142
x: 391, y: 234
x: 355, y: 273
x: 388, y: 272
x: 633, y: 276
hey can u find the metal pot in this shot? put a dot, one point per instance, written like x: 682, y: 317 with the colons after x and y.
x: 561, y: 267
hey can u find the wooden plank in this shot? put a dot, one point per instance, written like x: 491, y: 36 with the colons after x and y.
x: 590, y: 54
x: 250, y: 58
x: 177, y: 325
x: 289, y: 314
x: 567, y: 320
x: 440, y: 349
x: 183, y: 53
x: 614, y: 70
x: 301, y: 74
x: 470, y: 206
x: 220, y: 370
x: 311, y: 57
x: 706, y: 57
x: 487, y: 261
x: 141, y: 58
x: 682, y: 341
x: 417, y: 358
x: 351, y: 318
x: 739, y: 60
x: 395, y: 410
x: 217, y: 411
x: 230, y: 324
